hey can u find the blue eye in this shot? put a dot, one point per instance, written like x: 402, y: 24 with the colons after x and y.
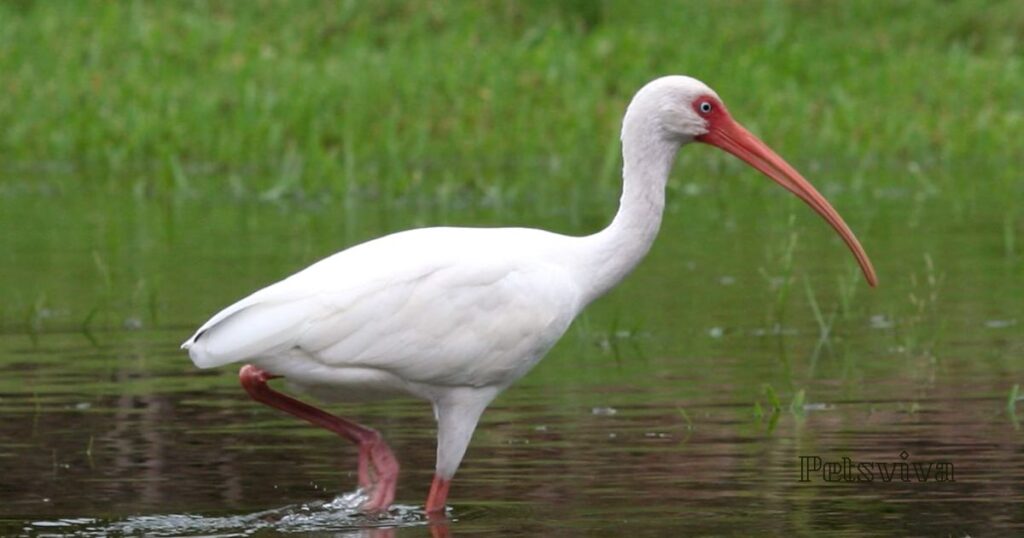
x: 705, y: 107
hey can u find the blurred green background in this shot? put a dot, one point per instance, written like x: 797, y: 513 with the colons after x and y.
x: 431, y: 98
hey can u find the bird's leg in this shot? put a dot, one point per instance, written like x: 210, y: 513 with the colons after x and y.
x: 375, y: 457
x: 457, y: 415
x: 438, y: 495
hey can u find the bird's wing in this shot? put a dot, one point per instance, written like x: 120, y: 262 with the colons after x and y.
x: 257, y: 325
x: 475, y: 322
x: 275, y: 318
x: 415, y: 304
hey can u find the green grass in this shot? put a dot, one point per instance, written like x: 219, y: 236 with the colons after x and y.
x: 511, y: 101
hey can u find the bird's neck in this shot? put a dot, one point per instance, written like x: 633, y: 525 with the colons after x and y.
x: 613, y: 252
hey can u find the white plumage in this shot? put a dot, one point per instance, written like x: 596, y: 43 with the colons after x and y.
x: 455, y: 315
x: 434, y: 306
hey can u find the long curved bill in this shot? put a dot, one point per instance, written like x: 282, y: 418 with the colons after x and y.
x: 734, y: 138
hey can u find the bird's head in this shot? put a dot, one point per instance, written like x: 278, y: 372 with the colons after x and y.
x: 672, y: 107
x: 681, y: 109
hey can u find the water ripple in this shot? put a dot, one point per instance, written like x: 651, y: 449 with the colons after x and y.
x: 339, y: 516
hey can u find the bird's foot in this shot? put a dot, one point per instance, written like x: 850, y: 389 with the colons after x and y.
x: 378, y: 468
x: 378, y: 474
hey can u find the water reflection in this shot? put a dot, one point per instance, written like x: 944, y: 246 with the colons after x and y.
x: 95, y: 450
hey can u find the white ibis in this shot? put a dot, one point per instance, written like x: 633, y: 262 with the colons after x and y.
x: 456, y: 315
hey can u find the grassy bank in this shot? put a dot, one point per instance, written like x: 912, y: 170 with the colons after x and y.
x: 506, y: 99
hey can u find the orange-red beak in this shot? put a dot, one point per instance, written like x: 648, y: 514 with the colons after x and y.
x: 732, y: 137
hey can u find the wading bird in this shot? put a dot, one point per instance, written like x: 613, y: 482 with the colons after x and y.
x: 456, y: 315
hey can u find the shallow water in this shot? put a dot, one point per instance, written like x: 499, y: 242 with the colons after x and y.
x: 682, y: 403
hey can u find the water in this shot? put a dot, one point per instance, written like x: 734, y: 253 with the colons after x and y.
x: 682, y: 403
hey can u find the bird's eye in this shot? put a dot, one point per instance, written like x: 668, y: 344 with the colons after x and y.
x: 705, y: 107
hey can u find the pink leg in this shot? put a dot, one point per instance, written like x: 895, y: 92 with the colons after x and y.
x: 438, y: 495
x: 378, y: 468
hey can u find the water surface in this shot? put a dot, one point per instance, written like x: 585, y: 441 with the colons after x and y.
x: 681, y: 403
